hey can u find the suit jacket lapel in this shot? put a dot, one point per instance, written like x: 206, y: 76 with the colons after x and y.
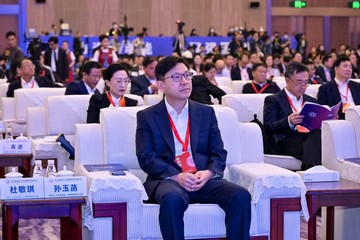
x: 285, y: 102
x: 195, y: 121
x: 335, y: 92
x: 83, y: 87
x: 162, y: 121
x: 354, y: 89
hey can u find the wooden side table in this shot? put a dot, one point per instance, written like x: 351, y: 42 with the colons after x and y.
x: 329, y: 194
x: 67, y: 209
x: 21, y: 160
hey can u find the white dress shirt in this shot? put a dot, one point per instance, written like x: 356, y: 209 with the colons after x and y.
x: 180, y: 122
x: 31, y: 84
x: 342, y: 89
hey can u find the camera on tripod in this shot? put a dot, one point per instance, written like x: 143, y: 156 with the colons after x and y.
x: 180, y: 25
x: 35, y: 48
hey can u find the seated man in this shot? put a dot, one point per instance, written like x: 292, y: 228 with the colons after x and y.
x: 26, y: 70
x: 331, y: 93
x: 241, y: 71
x: 260, y: 84
x: 91, y: 74
x: 146, y: 83
x: 185, y: 165
x: 282, y: 119
x: 313, y: 78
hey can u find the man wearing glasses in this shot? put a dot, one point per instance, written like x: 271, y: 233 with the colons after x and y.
x: 179, y: 146
x: 26, y: 70
x: 282, y: 119
x: 91, y: 75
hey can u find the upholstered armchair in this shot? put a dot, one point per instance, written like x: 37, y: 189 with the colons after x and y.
x: 245, y: 106
x: 340, y: 140
x: 58, y: 115
x: 113, y: 141
x: 14, y: 109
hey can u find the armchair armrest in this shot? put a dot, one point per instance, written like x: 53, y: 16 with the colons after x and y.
x: 338, y: 141
x: 36, y: 122
x: 264, y: 180
x: 105, y: 188
x: 89, y: 144
x: 8, y: 109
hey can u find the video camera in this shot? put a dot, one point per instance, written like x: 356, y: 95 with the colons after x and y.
x: 35, y: 47
x: 180, y: 25
x: 125, y: 29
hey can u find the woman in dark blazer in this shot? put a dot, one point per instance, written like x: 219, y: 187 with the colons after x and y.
x: 116, y: 81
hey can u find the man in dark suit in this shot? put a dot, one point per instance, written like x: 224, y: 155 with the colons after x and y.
x: 146, y: 83
x: 313, y: 78
x: 91, y: 74
x: 260, y: 84
x: 56, y: 58
x: 331, y: 93
x: 202, y: 89
x: 199, y: 178
x: 325, y: 71
x: 11, y: 55
x: 26, y: 70
x: 241, y: 71
x: 282, y: 119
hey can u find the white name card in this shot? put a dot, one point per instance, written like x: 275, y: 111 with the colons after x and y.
x: 65, y: 187
x: 15, y: 146
x: 22, y: 188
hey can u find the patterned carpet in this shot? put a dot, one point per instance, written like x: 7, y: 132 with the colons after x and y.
x: 49, y: 229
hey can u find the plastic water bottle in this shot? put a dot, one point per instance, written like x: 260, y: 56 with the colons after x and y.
x: 38, y: 171
x: 9, y: 134
x: 51, y: 170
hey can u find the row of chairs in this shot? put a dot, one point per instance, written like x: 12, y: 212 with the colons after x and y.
x: 245, y: 166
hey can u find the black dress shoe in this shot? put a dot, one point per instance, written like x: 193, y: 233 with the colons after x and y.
x: 306, y: 166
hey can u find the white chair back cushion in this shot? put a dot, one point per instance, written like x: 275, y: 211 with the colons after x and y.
x: 242, y: 142
x: 223, y: 81
x: 138, y: 98
x: 246, y: 105
x: 152, y: 99
x: 238, y: 85
x: 33, y: 97
x: 226, y: 89
x: 101, y: 85
x: 3, y: 89
x: 280, y: 81
x: 312, y: 90
x: 353, y: 115
x: 63, y: 112
x: 338, y: 141
x: 119, y: 127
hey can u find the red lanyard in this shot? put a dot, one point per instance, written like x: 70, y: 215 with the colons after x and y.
x: 32, y: 85
x: 261, y: 90
x: 292, y: 105
x: 346, y: 95
x: 185, y: 144
x: 122, y: 100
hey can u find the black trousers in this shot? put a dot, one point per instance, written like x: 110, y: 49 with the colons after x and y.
x: 174, y: 200
x: 303, y: 146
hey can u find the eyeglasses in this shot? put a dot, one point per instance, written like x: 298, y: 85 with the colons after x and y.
x: 122, y: 80
x: 176, y: 77
x: 300, y: 83
x: 95, y: 76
